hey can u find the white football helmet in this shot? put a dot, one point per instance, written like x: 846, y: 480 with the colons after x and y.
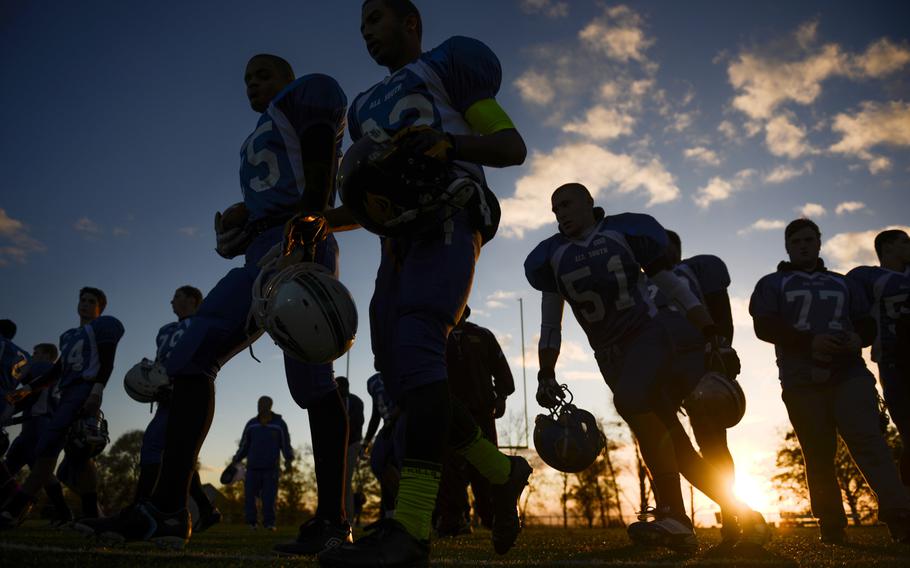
x: 306, y: 311
x: 146, y: 381
x: 718, y: 397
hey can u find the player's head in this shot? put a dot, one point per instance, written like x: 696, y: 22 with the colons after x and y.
x: 392, y: 30
x: 92, y: 302
x: 344, y: 386
x: 464, y: 316
x: 264, y: 404
x: 574, y: 209
x: 45, y: 352
x: 265, y: 76
x: 674, y: 251
x: 186, y: 301
x: 7, y: 329
x: 803, y: 240
x: 893, y: 246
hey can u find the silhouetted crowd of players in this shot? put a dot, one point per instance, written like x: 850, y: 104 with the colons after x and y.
x: 659, y: 326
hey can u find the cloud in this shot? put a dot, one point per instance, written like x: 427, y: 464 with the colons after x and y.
x: 86, y: 226
x: 602, y: 123
x: 811, y: 211
x: 763, y: 225
x: 496, y: 301
x: 535, y: 88
x: 17, y: 244
x: 720, y: 189
x: 783, y: 173
x: 783, y: 138
x: 873, y: 125
x: 188, y: 231
x: 618, y: 34
x: 581, y: 376
x: 600, y: 170
x: 703, y: 155
x: 849, y: 207
x: 794, y: 68
x: 845, y: 251
x: 548, y: 8
x: 729, y: 130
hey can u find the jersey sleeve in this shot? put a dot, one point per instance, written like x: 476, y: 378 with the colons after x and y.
x: 765, y: 299
x: 313, y: 100
x: 712, y: 273
x: 864, y: 278
x: 107, y: 329
x: 469, y: 70
x: 538, y: 270
x: 860, y: 306
x: 646, y: 237
x: 353, y: 123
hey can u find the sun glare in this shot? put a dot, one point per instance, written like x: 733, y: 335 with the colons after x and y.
x: 755, y: 492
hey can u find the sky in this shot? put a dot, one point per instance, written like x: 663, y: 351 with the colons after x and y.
x: 123, y: 122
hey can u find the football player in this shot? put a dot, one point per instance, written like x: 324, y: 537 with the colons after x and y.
x: 82, y: 371
x: 650, y: 359
x: 385, y: 453
x: 287, y: 167
x: 439, y: 105
x: 185, y: 302
x: 13, y: 362
x: 819, y: 321
x: 36, y: 414
x: 887, y: 289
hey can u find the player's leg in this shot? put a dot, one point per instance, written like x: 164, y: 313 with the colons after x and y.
x: 209, y: 515
x: 150, y: 453
x: 896, y: 390
x: 49, y: 446
x: 856, y: 413
x: 712, y: 442
x: 811, y: 412
x: 87, y: 487
x: 269, y: 495
x: 250, y: 494
x: 350, y: 465
x: 449, y: 516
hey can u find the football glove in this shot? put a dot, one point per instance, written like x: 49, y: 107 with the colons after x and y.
x: 18, y: 395
x: 230, y: 242
x: 305, y: 231
x: 426, y: 140
x: 549, y: 392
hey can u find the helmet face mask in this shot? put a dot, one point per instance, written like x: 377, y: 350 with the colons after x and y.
x: 87, y: 437
x: 306, y: 311
x: 569, y: 439
x: 717, y: 397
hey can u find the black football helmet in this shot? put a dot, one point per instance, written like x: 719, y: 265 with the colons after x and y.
x: 87, y: 437
x: 717, y: 397
x: 569, y: 438
x: 392, y: 191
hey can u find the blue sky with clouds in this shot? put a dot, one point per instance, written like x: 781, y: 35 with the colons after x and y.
x: 123, y: 122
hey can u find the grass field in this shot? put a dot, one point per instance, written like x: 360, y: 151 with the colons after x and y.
x: 233, y: 545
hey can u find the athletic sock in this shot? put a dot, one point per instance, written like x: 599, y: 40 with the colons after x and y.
x: 148, y: 476
x: 54, y: 492
x: 90, y: 505
x: 486, y: 458
x: 417, y: 496
x: 192, y: 408
x: 329, y: 431
x: 199, y: 496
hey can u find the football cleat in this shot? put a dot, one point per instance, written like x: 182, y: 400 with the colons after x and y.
x: 389, y: 545
x: 314, y: 536
x: 755, y: 531
x: 137, y: 523
x: 665, y: 530
x: 207, y: 521
x: 15, y: 510
x: 506, y: 523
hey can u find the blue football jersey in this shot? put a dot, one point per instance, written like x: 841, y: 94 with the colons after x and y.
x: 816, y: 302
x: 79, y: 348
x: 601, y: 275
x: 887, y: 292
x: 271, y: 167
x: 435, y: 90
x: 168, y: 336
x: 381, y: 399
x: 13, y: 362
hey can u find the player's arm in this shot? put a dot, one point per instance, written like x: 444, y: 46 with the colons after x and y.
x: 497, y: 142
x: 286, y: 449
x: 340, y: 219
x: 548, y: 389
x: 106, y: 353
x: 718, y: 304
x: 244, y: 449
x: 865, y: 326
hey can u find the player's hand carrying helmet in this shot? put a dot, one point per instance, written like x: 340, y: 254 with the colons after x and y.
x: 717, y: 397
x: 306, y: 311
x: 405, y: 185
x: 87, y: 437
x: 569, y: 438
x: 146, y: 381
